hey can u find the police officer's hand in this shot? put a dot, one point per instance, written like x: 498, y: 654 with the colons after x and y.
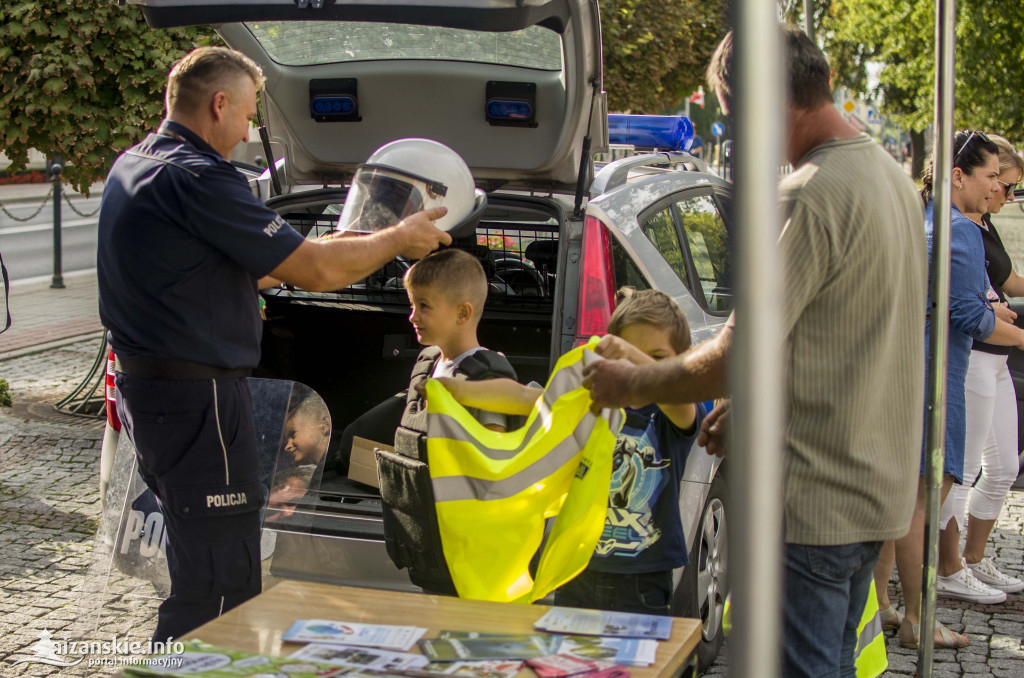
x: 612, y: 384
x: 714, y: 428
x: 419, y: 236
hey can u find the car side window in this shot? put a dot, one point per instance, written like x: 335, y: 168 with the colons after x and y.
x: 626, y: 272
x: 661, y: 231
x: 708, y: 241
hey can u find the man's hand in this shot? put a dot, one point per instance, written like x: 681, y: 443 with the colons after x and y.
x: 419, y: 236
x: 714, y: 429
x: 1003, y: 312
x: 612, y: 347
x: 612, y: 384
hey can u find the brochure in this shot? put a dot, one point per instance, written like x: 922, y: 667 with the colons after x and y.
x: 477, y: 669
x: 564, y: 665
x: 360, y: 657
x: 380, y: 636
x: 200, y: 660
x: 621, y: 651
x: 552, y: 640
x: 600, y: 623
x: 487, y: 647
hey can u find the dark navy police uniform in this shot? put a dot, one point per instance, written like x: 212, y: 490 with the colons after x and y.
x: 182, y: 242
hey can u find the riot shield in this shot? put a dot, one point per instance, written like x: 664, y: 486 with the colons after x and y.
x: 128, y: 575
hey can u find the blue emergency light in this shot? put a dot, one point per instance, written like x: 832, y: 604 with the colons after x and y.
x: 509, y: 110
x: 333, y: 105
x: 663, y: 132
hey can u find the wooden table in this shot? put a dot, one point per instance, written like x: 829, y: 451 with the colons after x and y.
x: 257, y: 625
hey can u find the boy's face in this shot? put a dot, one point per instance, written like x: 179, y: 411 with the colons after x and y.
x: 306, y: 438
x: 433, y: 316
x: 654, y: 341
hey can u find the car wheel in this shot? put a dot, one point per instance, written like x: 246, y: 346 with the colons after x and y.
x: 703, y: 586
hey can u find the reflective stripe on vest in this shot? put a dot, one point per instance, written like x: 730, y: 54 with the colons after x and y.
x: 869, y: 657
x: 494, y: 491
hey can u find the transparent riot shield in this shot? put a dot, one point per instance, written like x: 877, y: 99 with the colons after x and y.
x: 128, y: 575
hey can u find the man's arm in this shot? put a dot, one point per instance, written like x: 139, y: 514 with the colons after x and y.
x: 336, y: 263
x: 696, y: 375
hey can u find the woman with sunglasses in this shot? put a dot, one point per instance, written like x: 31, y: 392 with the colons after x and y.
x: 991, y: 437
x: 975, y: 171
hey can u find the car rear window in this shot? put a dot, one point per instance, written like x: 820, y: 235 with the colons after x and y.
x: 323, y: 42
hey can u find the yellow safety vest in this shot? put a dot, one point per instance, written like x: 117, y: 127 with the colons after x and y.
x: 495, y: 491
x: 869, y: 658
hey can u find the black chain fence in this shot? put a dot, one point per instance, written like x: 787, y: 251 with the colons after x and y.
x: 46, y: 199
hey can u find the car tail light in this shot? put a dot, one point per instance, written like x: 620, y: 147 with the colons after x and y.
x: 597, y: 286
x: 112, y: 419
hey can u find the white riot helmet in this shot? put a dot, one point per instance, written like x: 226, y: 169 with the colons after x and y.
x: 406, y: 176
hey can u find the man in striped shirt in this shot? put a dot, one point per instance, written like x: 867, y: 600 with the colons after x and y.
x: 855, y: 271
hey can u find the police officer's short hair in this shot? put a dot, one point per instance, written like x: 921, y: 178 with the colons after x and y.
x: 654, y: 308
x: 807, y: 71
x: 205, y: 70
x: 454, y: 272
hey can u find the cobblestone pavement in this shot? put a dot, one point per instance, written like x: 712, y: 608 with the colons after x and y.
x: 49, y: 509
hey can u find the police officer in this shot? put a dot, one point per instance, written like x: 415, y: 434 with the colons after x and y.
x: 183, y: 246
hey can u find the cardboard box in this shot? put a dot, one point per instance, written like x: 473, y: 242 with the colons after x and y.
x: 362, y: 465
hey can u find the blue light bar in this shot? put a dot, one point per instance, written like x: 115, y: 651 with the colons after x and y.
x: 663, y: 132
x: 332, y: 105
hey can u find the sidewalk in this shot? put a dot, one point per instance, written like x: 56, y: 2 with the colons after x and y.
x: 44, y: 318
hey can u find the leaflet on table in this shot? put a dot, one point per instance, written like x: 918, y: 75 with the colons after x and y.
x: 600, y: 623
x: 564, y: 665
x: 380, y: 636
x: 359, y: 657
x: 476, y: 669
x: 622, y: 651
x: 488, y: 647
x: 553, y: 641
x: 200, y: 660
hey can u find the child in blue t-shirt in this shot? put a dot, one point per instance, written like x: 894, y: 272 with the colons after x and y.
x: 643, y: 541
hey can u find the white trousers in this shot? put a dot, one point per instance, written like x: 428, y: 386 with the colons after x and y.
x: 991, y: 444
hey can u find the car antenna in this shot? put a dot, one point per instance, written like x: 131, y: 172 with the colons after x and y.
x: 271, y: 162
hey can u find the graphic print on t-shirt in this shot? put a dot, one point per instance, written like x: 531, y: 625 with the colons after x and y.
x: 639, y: 475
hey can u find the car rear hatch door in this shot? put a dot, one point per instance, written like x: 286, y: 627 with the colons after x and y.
x: 514, y: 86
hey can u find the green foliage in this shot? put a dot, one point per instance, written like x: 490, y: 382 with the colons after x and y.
x: 82, y: 78
x: 5, y: 395
x: 900, y: 36
x: 656, y: 51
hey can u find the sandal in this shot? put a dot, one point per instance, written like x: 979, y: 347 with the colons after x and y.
x: 891, y: 619
x: 910, y: 635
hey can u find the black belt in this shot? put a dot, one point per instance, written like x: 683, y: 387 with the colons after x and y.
x: 176, y: 369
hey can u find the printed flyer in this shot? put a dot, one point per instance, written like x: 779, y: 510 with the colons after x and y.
x: 360, y: 657
x: 200, y: 660
x: 380, y: 636
x: 600, y: 623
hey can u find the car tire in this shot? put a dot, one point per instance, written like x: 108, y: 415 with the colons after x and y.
x: 703, y: 587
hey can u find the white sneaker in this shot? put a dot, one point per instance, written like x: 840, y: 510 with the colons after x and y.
x: 986, y: 573
x: 964, y: 586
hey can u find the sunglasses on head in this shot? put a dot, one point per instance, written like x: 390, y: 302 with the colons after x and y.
x: 975, y: 133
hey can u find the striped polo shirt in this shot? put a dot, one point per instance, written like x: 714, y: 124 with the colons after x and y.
x: 855, y: 275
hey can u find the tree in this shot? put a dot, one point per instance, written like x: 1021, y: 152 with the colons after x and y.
x: 899, y: 36
x: 84, y: 79
x: 656, y: 51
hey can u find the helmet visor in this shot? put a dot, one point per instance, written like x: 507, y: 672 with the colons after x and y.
x: 380, y: 197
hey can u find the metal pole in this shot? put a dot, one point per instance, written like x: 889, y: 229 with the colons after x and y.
x: 56, y: 168
x: 756, y: 375
x: 945, y: 40
x: 809, y: 19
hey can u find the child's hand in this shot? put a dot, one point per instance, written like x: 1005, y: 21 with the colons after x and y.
x: 612, y: 347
